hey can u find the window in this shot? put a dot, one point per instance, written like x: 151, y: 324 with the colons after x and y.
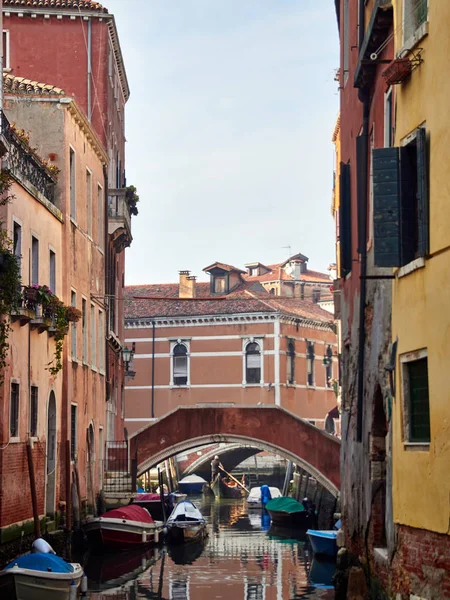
x: 52, y: 267
x: 253, y: 363
x: 84, y: 330
x: 415, y: 13
x: 14, y: 411
x: 401, y: 202
x: 17, y: 242
x: 34, y: 260
x: 219, y: 285
x: 72, y: 181
x: 328, y: 361
x: 100, y: 216
x: 316, y: 296
x: 290, y: 362
x: 73, y: 431
x: 33, y: 411
x: 345, y: 221
x: 346, y: 40
x: 416, y: 398
x: 6, y: 59
x: 101, y: 341
x: 89, y: 201
x: 372, y: 143
x: 74, y: 327
x: 272, y: 291
x: 180, y: 365
x: 310, y: 363
x: 388, y: 119
x: 93, y: 340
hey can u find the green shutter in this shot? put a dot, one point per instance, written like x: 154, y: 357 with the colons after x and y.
x: 422, y: 194
x: 386, y: 207
x: 408, y: 203
x: 345, y: 223
x: 419, y: 403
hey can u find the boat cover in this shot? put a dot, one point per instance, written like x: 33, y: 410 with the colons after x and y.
x: 149, y: 497
x: 285, y: 504
x: 193, y: 479
x: 41, y: 561
x: 323, y: 533
x: 185, y: 511
x: 132, y: 512
x: 255, y: 494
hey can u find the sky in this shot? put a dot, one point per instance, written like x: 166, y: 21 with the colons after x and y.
x: 229, y: 125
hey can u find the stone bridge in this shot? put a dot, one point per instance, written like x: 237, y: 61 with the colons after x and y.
x: 268, y: 427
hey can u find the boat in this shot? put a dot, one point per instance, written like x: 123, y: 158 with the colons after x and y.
x: 226, y: 489
x: 185, y: 524
x: 123, y: 528
x: 191, y: 484
x: 186, y: 554
x: 323, y: 542
x: 152, y: 502
x: 39, y: 576
x: 254, y: 497
x: 287, y: 512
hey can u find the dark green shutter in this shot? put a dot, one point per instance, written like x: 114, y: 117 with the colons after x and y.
x: 345, y: 222
x: 408, y: 204
x: 422, y: 194
x: 386, y: 207
x: 419, y: 403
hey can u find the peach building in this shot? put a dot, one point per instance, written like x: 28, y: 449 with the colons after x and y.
x: 227, y: 340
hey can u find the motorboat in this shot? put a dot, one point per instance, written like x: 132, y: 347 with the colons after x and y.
x: 39, y: 576
x: 192, y: 484
x: 254, y: 497
x: 185, y: 524
x: 152, y: 502
x: 123, y: 528
x: 287, y: 512
x: 323, y: 542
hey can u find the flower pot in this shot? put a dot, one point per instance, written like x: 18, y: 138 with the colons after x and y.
x: 30, y: 294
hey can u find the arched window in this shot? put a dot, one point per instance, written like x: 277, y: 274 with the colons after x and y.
x: 272, y: 291
x: 180, y: 365
x: 253, y: 363
x: 310, y: 362
x: 328, y: 360
x: 290, y: 362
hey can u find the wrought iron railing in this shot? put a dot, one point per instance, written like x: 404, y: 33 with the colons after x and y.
x: 25, y: 165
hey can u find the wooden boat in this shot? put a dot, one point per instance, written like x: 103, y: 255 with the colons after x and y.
x: 39, y: 576
x: 254, y: 497
x: 185, y: 524
x: 191, y: 484
x: 287, y: 512
x: 226, y: 489
x: 123, y: 528
x: 323, y: 542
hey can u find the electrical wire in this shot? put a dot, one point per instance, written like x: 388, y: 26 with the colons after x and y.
x: 414, y: 8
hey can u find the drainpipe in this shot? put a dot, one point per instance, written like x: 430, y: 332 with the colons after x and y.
x: 153, y: 369
x: 107, y: 266
x: 89, y: 69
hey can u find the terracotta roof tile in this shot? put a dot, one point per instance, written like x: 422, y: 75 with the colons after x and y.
x: 277, y: 273
x: 223, y: 266
x: 91, y: 5
x: 20, y: 85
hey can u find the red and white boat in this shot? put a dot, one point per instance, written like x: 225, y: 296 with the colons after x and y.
x: 123, y: 528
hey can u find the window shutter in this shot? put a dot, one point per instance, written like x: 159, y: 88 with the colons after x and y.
x: 345, y: 225
x: 408, y: 203
x: 422, y: 194
x: 386, y: 207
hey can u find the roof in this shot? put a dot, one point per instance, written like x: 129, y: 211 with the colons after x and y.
x: 277, y: 273
x: 224, y: 267
x: 20, y: 85
x: 90, y: 5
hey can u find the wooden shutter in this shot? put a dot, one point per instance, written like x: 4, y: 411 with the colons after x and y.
x: 386, y: 207
x: 345, y: 223
x: 408, y: 203
x: 422, y: 194
x: 361, y: 188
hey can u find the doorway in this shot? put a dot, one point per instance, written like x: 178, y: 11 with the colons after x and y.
x: 51, y: 457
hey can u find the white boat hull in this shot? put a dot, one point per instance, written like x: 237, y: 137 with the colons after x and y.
x: 28, y: 584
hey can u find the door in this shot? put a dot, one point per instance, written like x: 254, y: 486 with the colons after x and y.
x: 51, y: 456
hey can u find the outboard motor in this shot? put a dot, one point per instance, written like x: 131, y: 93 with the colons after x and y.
x: 41, y: 545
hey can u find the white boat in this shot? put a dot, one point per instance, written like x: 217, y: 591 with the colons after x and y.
x: 191, y: 484
x: 186, y: 523
x: 254, y: 497
x: 39, y: 576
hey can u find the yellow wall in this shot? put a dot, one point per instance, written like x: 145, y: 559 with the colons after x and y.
x: 421, y: 300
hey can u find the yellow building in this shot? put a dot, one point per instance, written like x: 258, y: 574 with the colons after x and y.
x: 421, y: 291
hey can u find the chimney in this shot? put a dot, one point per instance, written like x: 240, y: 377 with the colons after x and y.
x: 187, y: 285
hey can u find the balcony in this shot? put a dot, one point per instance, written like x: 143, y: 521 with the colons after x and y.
x: 119, y: 219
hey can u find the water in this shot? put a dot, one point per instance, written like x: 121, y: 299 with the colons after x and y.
x: 242, y: 558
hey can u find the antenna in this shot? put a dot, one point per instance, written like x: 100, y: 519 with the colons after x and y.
x: 289, y: 248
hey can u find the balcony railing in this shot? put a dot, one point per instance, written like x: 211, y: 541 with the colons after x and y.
x: 24, y: 165
x: 119, y: 218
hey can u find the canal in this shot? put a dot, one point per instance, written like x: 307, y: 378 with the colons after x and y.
x: 243, y: 557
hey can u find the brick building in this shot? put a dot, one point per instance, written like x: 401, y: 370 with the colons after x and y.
x: 226, y: 340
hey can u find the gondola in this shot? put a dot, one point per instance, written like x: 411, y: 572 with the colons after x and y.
x: 185, y: 524
x: 226, y: 489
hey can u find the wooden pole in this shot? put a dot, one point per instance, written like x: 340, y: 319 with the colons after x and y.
x: 234, y: 479
x: 68, y: 488
x: 37, y: 525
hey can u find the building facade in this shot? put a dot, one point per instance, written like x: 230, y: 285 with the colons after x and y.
x: 222, y: 341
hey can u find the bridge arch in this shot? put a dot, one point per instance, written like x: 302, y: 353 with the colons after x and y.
x: 267, y: 427
x: 222, y: 451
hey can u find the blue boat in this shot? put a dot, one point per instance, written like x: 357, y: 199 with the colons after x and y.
x: 323, y: 541
x: 192, y: 484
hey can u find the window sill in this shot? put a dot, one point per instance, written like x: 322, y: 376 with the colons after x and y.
x: 179, y: 387
x: 14, y: 440
x: 414, y: 265
x: 420, y: 33
x: 253, y: 385
x: 291, y: 385
x: 416, y: 446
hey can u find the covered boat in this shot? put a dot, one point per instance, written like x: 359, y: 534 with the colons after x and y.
x: 186, y: 523
x: 254, y: 497
x: 191, y: 484
x: 323, y: 542
x: 39, y: 576
x: 123, y: 528
x: 286, y: 511
x: 152, y: 502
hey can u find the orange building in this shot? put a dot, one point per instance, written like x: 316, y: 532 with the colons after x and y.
x: 227, y: 340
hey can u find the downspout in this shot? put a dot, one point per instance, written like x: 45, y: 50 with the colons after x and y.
x: 106, y: 255
x: 89, y: 69
x: 153, y: 369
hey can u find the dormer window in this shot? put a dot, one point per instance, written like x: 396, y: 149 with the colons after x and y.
x: 220, y: 285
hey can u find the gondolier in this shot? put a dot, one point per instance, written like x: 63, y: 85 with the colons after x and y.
x: 215, y: 466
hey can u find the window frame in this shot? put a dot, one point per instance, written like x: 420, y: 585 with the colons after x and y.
x: 84, y: 330
x: 52, y: 269
x: 14, y: 436
x: 310, y: 367
x: 409, y: 36
x: 388, y: 122
x: 89, y: 204
x: 245, y: 343
x: 101, y: 341
x: 17, y: 249
x: 34, y: 411
x: 405, y: 360
x: 72, y: 183
x: 34, y: 259
x: 173, y: 345
x: 290, y: 361
x: 7, y: 53
x: 73, y: 431
x: 73, y: 342
x: 93, y: 333
x: 329, y: 366
x: 100, y: 217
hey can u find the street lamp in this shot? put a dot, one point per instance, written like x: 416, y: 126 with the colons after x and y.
x: 127, y: 357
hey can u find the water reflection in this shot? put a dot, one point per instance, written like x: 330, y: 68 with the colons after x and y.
x: 242, y: 558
